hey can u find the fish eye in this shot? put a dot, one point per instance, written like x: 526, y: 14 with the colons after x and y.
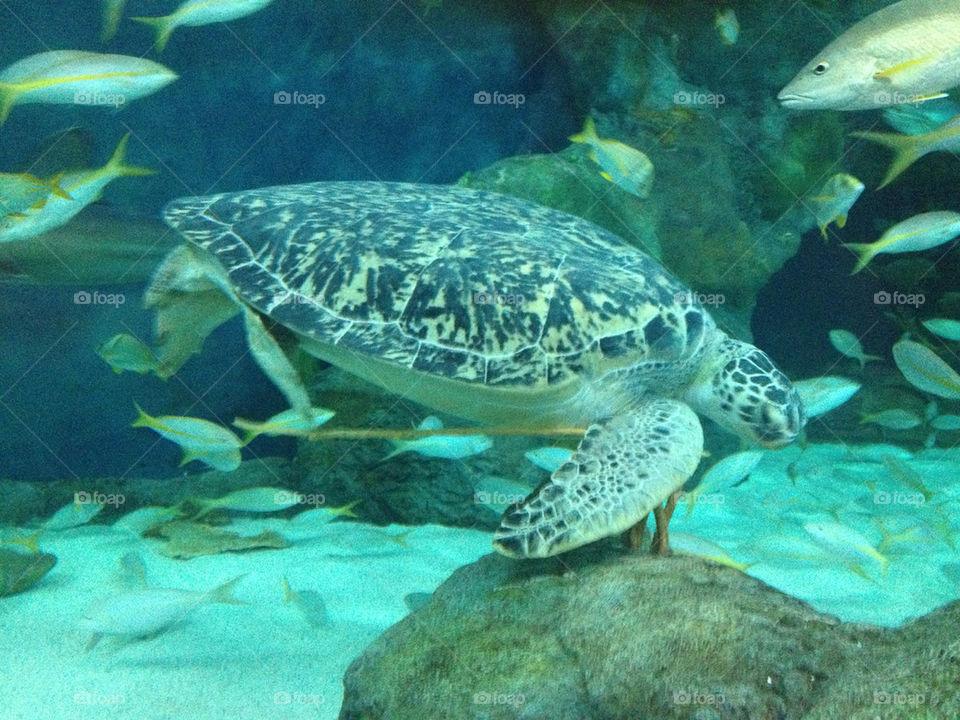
x: 821, y: 68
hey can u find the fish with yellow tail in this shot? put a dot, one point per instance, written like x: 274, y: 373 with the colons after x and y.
x: 624, y: 166
x: 686, y: 544
x: 921, y: 232
x: 846, y: 542
x: 892, y: 419
x: 908, y: 149
x: 201, y: 440
x: 83, y: 188
x: 923, y: 369
x: 288, y: 422
x: 253, y: 500
x: 194, y: 13
x: 906, y: 52
x: 848, y: 344
x: 125, y: 352
x: 832, y: 202
x: 146, y: 611
x: 75, y: 77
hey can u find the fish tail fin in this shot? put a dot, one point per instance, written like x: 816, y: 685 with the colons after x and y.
x: 223, y: 594
x: 864, y: 253
x: 117, y: 166
x: 251, y: 429
x: 858, y: 570
x: 164, y: 27
x: 347, y: 510
x: 885, y: 566
x: 399, y: 447
x: 9, y: 94
x: 888, y: 537
x: 143, y: 420
x: 907, y: 149
x: 54, y: 185
x: 588, y: 133
x: 288, y: 595
x: 32, y: 543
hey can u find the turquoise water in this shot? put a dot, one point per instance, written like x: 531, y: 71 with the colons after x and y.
x: 856, y: 518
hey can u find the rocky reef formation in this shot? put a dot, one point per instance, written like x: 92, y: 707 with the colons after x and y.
x: 636, y: 636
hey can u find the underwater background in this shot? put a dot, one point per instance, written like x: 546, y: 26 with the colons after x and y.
x: 485, y: 95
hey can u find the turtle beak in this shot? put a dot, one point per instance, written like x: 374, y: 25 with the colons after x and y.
x: 781, y: 426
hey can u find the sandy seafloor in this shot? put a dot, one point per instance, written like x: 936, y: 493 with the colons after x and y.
x: 263, y: 660
x: 245, y: 662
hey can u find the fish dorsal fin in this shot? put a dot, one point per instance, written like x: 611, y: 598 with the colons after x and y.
x: 430, y: 423
x: 901, y: 67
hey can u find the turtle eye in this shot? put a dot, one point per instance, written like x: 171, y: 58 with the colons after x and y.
x: 821, y: 68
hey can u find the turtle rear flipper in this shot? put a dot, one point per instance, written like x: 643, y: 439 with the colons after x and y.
x: 624, y: 467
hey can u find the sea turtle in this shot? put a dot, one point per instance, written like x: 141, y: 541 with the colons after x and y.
x: 493, y: 309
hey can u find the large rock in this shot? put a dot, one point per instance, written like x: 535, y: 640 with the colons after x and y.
x: 635, y: 636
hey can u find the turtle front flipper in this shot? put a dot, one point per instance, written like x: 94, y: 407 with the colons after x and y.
x: 624, y: 467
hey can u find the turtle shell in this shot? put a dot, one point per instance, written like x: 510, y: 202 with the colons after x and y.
x: 446, y: 282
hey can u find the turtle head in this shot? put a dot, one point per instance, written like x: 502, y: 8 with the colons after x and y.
x: 741, y: 389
